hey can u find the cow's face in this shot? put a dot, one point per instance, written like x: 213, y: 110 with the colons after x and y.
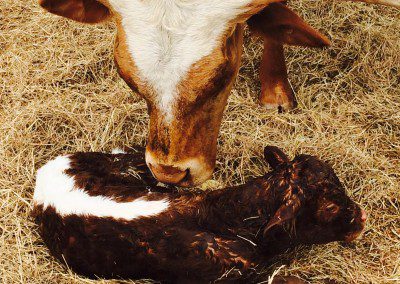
x: 183, y: 61
x: 182, y: 57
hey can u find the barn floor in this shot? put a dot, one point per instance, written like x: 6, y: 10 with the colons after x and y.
x: 59, y: 93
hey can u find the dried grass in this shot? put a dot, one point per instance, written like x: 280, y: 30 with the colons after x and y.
x: 59, y: 92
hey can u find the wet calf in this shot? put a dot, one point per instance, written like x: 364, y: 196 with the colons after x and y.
x: 105, y: 216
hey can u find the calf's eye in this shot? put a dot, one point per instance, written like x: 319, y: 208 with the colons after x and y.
x: 332, y: 208
x: 328, y: 212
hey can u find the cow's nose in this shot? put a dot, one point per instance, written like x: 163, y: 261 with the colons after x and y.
x: 184, y: 172
x: 168, y: 174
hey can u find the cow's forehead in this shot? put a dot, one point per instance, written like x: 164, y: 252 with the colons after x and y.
x: 166, y: 37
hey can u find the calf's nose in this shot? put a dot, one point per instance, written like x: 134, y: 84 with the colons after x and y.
x: 168, y: 174
x: 363, y: 216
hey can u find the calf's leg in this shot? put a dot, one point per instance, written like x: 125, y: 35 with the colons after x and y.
x: 201, y: 255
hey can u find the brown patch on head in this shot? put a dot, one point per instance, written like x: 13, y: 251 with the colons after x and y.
x: 126, y: 66
x: 193, y: 133
x: 188, y: 142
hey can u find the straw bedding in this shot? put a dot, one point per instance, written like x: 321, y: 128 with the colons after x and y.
x: 59, y: 93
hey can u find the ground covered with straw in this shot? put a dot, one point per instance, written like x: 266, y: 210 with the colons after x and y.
x: 60, y: 93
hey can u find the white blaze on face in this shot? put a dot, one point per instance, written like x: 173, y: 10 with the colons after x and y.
x: 166, y: 37
x: 57, y: 189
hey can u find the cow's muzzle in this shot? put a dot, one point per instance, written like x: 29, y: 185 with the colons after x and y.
x: 168, y: 174
x: 190, y: 172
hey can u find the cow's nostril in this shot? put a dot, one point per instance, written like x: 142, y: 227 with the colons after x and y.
x: 168, y: 174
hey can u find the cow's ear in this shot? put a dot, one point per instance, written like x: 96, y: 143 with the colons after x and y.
x: 278, y: 22
x: 274, y: 156
x: 85, y: 11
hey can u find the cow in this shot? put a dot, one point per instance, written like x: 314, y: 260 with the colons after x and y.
x: 183, y: 57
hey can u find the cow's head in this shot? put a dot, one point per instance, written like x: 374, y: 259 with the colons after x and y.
x: 182, y: 57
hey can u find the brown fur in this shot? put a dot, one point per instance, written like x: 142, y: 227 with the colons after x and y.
x: 125, y: 65
x: 202, y: 234
x: 85, y: 11
x: 278, y: 25
x: 202, y: 94
x: 192, y: 136
x: 275, y: 86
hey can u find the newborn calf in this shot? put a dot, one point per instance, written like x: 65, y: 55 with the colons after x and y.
x: 104, y: 215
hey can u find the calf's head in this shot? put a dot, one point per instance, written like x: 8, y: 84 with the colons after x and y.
x: 316, y: 208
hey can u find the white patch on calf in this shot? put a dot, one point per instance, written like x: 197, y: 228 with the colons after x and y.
x: 57, y: 189
x: 166, y: 37
x: 117, y: 151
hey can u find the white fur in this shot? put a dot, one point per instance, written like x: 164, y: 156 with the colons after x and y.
x: 117, y: 151
x: 55, y: 188
x: 166, y: 37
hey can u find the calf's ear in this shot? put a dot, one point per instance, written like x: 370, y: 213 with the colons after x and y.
x: 274, y: 156
x: 286, y: 212
x: 85, y: 11
x: 277, y: 22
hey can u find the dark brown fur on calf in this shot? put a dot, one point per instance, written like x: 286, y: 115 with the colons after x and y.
x: 199, y: 235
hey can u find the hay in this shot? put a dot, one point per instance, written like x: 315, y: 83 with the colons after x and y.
x: 59, y: 92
